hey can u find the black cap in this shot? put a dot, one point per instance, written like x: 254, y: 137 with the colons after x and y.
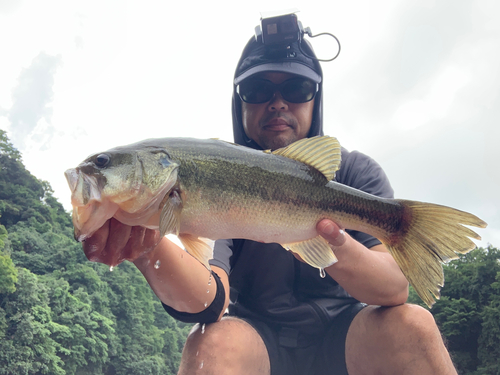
x: 258, y: 58
x: 295, y: 58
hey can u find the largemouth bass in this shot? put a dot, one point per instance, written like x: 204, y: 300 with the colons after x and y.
x: 213, y: 189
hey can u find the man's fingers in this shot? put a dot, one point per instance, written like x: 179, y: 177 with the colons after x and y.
x: 331, y: 232
x: 115, y: 242
x: 93, y: 246
x: 134, y: 246
x: 141, y: 241
x: 119, y: 236
x: 151, y: 238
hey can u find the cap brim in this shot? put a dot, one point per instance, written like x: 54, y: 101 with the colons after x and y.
x: 281, y: 67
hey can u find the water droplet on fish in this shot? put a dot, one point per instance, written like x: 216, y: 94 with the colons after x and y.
x: 157, y: 264
x: 322, y: 273
x: 201, y: 364
x: 206, y: 304
x: 203, y: 329
x: 111, y: 269
x: 208, y: 290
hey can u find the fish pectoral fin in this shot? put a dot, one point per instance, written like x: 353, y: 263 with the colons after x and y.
x: 198, y: 248
x: 316, y: 252
x: 322, y: 153
x: 170, y: 216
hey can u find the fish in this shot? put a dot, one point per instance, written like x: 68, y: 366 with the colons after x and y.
x: 211, y: 189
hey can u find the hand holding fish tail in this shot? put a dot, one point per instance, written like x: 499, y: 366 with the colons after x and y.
x: 370, y: 275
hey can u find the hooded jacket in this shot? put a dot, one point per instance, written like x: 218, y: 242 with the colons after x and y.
x: 267, y: 282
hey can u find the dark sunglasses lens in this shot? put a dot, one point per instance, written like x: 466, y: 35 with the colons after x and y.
x: 299, y: 90
x: 256, y: 91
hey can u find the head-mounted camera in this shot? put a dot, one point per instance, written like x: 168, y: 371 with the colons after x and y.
x: 279, y: 29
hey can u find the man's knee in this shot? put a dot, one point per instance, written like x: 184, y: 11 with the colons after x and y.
x: 225, y: 345
x: 229, y: 333
x: 395, y: 340
x: 392, y: 322
x: 405, y: 324
x: 414, y: 320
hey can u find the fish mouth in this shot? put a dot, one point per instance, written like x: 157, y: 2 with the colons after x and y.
x: 83, y: 187
x: 87, y: 203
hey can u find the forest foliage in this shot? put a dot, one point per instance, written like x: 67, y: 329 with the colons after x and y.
x: 61, y: 314
x: 468, y: 312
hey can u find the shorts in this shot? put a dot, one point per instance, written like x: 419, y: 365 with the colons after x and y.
x: 324, y: 356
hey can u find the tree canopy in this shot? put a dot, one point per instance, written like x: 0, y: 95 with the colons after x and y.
x: 469, y: 310
x: 60, y: 313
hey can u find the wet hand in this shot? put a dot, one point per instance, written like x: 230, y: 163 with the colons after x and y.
x: 115, y: 242
x: 331, y: 232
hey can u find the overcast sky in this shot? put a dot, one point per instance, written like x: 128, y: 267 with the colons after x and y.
x: 416, y: 86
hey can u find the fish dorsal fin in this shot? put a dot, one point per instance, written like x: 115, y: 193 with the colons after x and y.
x: 316, y: 252
x: 322, y: 153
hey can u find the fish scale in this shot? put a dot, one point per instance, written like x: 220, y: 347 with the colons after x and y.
x: 214, y: 189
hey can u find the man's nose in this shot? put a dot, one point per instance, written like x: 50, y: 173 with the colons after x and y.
x: 277, y: 103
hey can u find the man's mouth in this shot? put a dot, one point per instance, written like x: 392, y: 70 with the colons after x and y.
x: 277, y: 124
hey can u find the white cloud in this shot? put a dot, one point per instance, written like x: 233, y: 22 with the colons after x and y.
x: 415, y: 86
x: 31, y: 98
x: 435, y: 104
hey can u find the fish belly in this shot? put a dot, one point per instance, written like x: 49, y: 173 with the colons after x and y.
x: 254, y: 221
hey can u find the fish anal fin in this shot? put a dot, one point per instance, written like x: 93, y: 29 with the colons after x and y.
x: 199, y: 248
x: 316, y: 252
x: 322, y: 153
x: 170, y: 216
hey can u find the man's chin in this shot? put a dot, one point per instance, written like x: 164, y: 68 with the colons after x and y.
x: 277, y: 141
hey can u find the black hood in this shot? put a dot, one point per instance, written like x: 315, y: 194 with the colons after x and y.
x: 257, y: 58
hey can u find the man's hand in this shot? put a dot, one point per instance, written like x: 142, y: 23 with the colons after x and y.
x: 115, y: 242
x: 331, y: 232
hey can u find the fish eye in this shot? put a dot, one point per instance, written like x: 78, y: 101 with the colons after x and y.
x: 102, y: 160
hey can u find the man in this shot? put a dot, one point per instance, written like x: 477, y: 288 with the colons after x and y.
x: 285, y: 318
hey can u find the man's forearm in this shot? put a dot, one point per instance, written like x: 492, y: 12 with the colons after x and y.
x: 370, y: 275
x: 178, y: 279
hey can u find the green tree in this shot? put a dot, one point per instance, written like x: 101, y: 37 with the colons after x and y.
x: 468, y: 311
x: 83, y: 333
x: 23, y: 196
x: 65, y: 314
x: 8, y: 275
x: 6, y: 147
x: 489, y: 340
x: 3, y: 237
x: 27, y: 347
x: 141, y: 342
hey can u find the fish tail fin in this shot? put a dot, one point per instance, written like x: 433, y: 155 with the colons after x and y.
x: 430, y: 235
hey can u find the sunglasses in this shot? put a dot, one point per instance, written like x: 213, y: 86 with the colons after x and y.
x: 294, y: 90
